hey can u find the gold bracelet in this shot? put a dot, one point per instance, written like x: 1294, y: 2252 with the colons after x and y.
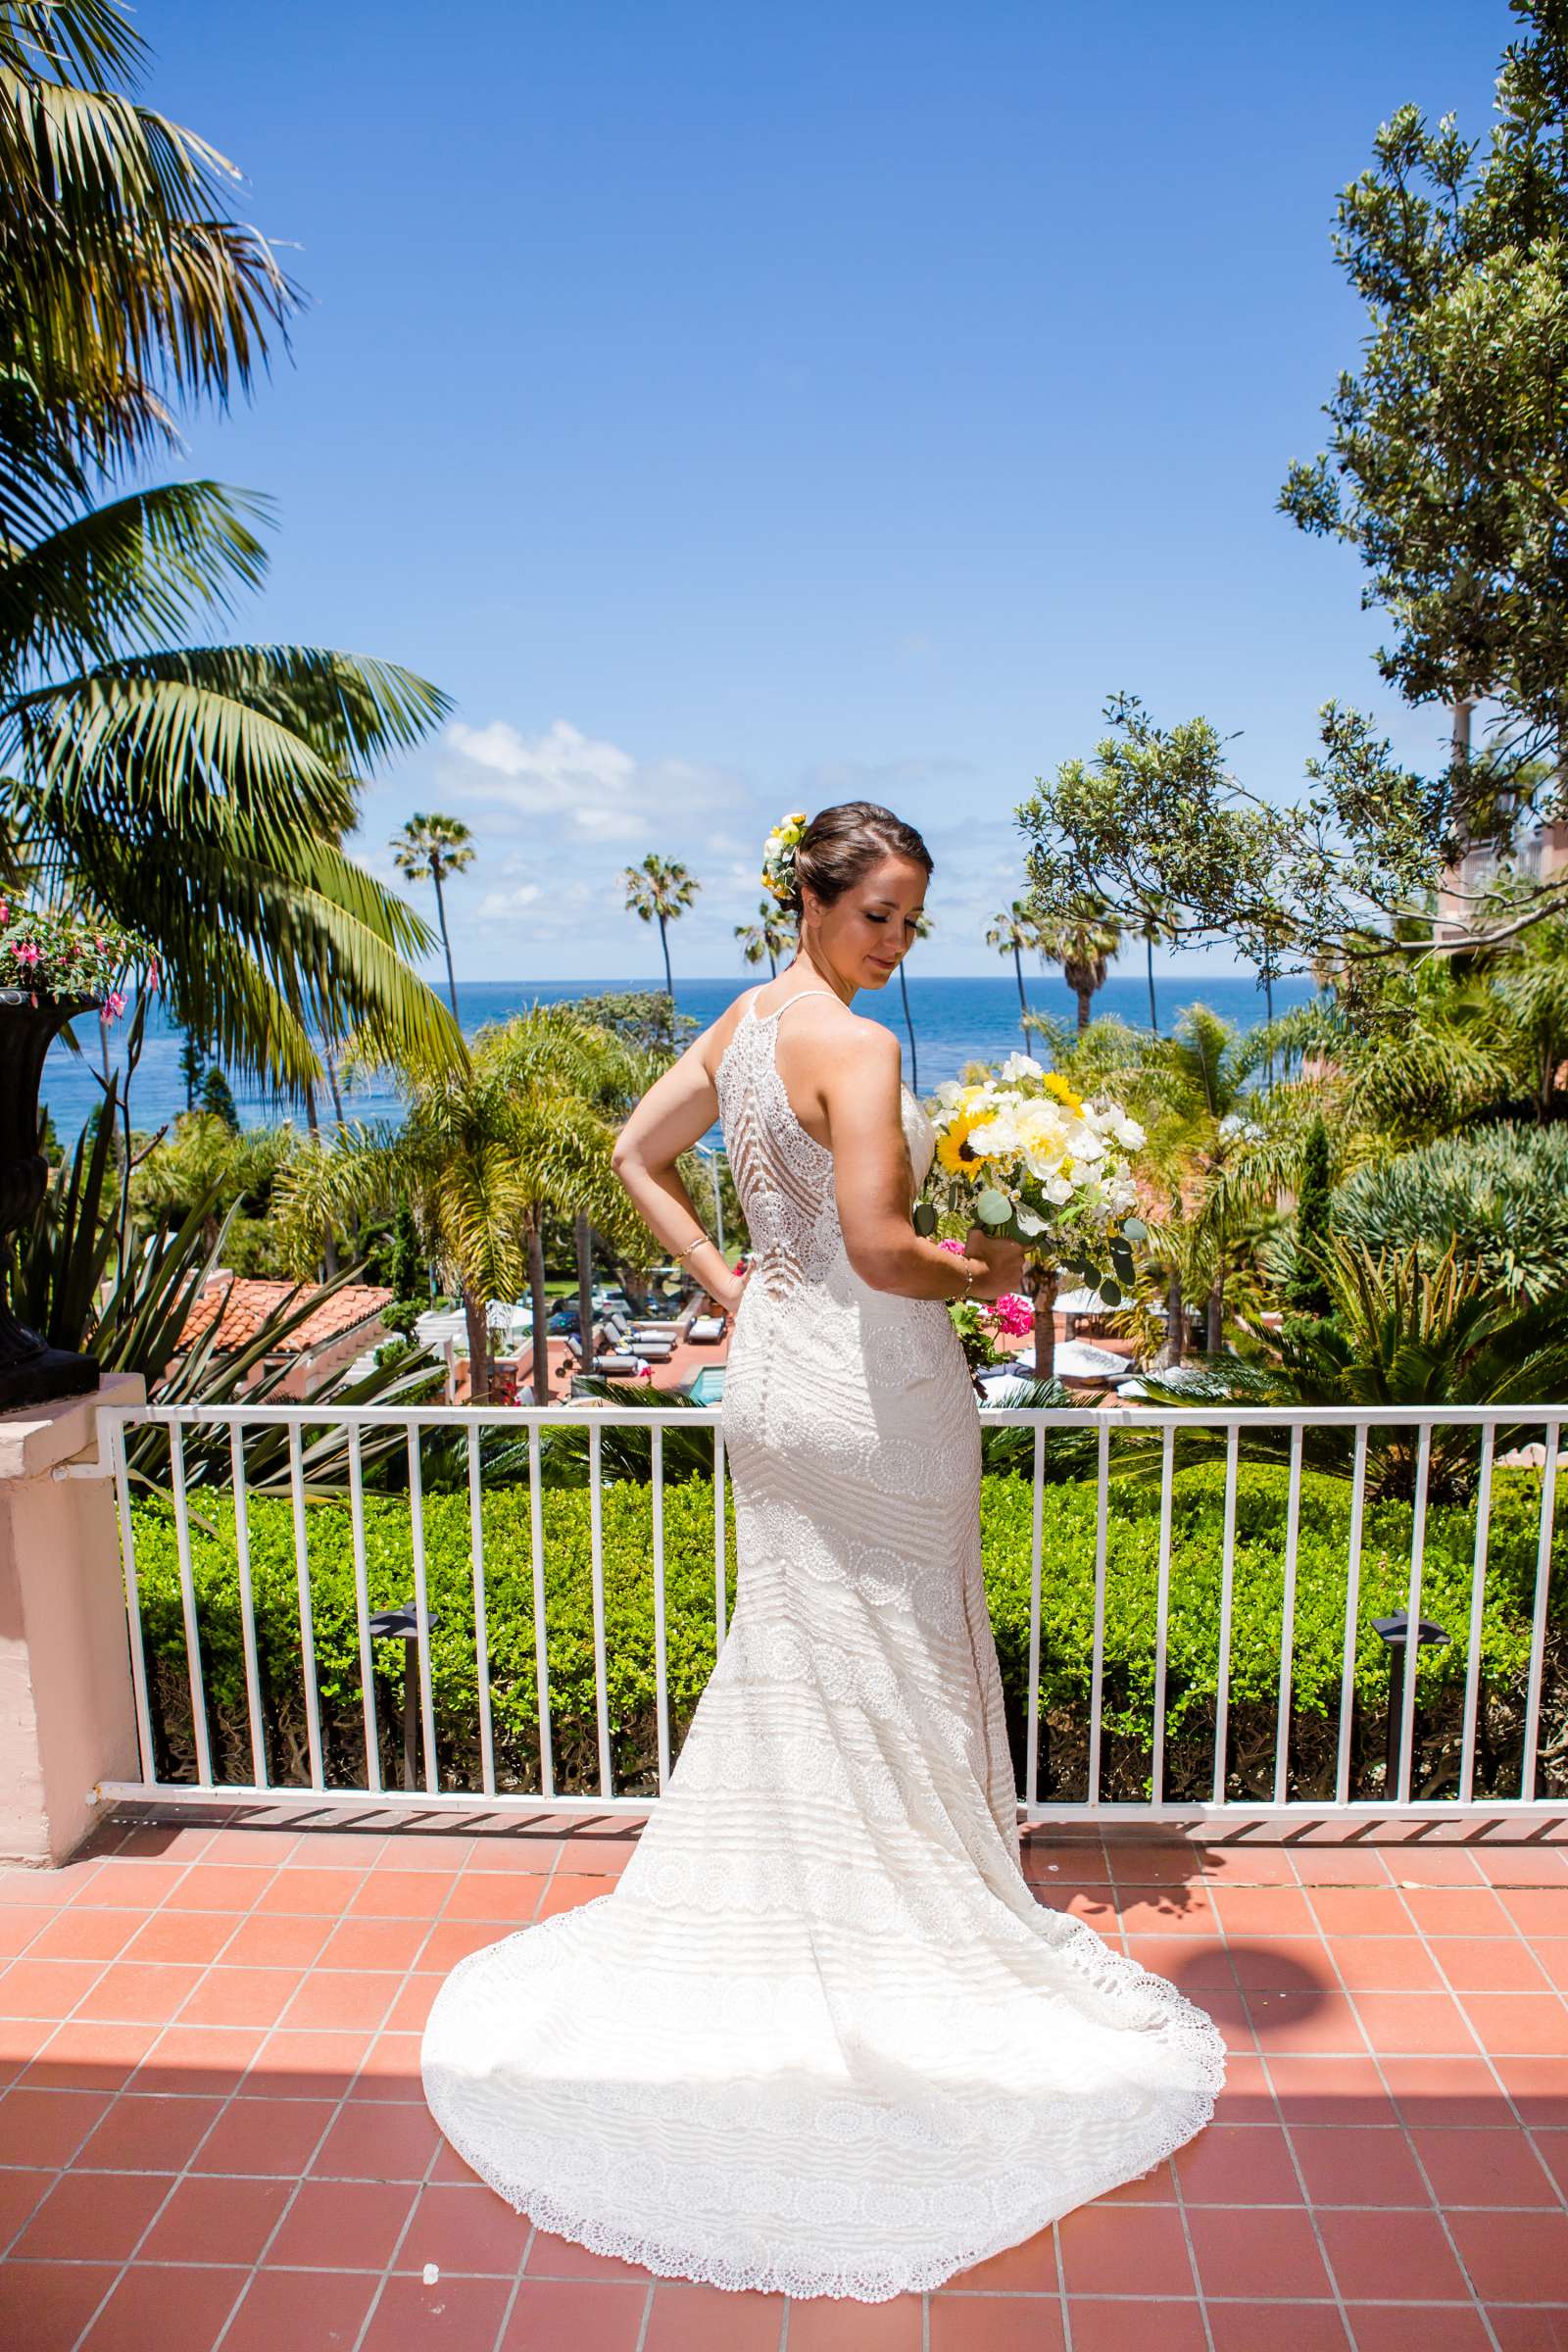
x: 680, y: 1256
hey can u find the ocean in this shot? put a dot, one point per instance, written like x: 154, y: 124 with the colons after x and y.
x: 956, y: 1021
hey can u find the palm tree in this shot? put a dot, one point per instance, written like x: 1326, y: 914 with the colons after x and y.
x: 485, y: 1155
x: 199, y: 794
x: 772, y: 935
x: 1011, y: 934
x: 1155, y: 929
x: 427, y: 849
x: 1083, y: 942
x: 660, y: 890
x: 922, y: 930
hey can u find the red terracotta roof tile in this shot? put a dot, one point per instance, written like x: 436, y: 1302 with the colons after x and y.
x: 242, y: 1304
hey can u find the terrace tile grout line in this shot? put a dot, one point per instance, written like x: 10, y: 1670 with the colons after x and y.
x: 184, y: 2171
x: 166, y: 1901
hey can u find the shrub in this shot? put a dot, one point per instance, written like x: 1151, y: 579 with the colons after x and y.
x: 1499, y: 1195
x: 1068, y: 1514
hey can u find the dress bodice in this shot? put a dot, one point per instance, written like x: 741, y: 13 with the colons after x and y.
x: 784, y: 1176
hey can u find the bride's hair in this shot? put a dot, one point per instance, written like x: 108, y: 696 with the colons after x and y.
x: 841, y: 845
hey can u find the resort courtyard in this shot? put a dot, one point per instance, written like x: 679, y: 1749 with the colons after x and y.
x: 212, y: 2133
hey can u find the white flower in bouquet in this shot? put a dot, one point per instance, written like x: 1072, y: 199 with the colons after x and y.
x: 1025, y: 1156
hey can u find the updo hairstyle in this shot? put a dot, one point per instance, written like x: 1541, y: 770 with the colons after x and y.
x: 841, y: 845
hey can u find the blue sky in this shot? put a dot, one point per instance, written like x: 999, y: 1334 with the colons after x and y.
x: 737, y: 410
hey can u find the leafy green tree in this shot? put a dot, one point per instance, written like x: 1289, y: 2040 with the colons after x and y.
x: 429, y: 848
x: 1307, y: 1291
x: 644, y: 1020
x: 660, y: 890
x: 1448, y: 467
x: 1156, y: 819
x: 407, y: 1271
x: 199, y: 794
x: 217, y: 1098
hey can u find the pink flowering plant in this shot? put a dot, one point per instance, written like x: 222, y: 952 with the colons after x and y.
x: 47, y: 953
x: 983, y: 1323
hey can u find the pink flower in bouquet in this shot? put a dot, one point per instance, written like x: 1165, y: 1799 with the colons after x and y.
x: 954, y: 1249
x: 1012, y: 1315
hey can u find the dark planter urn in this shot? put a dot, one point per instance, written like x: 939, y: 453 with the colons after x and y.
x: 31, y: 1372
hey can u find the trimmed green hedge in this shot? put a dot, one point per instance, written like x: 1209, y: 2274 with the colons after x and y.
x: 1006, y: 1511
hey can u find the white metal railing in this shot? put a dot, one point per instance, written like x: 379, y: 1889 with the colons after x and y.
x: 121, y: 1426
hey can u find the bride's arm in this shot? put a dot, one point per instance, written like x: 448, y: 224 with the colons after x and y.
x: 860, y: 1089
x: 675, y: 1113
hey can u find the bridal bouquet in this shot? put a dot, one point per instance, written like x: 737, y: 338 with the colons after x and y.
x: 1023, y: 1155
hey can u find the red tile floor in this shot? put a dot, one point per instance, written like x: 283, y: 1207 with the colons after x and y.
x: 212, y: 2132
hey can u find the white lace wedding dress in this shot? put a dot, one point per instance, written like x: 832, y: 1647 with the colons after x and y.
x: 821, y: 2038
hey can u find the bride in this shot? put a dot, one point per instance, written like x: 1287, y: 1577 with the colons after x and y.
x: 821, y: 2038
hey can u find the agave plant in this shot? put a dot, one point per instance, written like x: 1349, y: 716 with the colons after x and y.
x: 1497, y: 1196
x: 88, y: 1279
x: 1399, y: 1332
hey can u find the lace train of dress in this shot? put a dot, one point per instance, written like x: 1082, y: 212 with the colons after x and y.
x: 821, y: 2039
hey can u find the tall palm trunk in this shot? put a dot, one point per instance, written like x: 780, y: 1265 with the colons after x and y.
x: 1041, y: 1283
x: 1268, y: 1014
x: 909, y: 1023
x: 1215, y: 1330
x: 446, y: 943
x: 1174, y: 1350
x: 1086, y: 998
x: 541, y: 1316
x: 582, y: 1233
x: 1154, y: 1009
x: 331, y: 1066
x: 329, y: 1264
x: 479, y: 1322
x: 663, y: 942
x: 1024, y: 1001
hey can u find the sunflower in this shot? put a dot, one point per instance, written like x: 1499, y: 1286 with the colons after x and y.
x: 952, y: 1148
x: 1054, y: 1084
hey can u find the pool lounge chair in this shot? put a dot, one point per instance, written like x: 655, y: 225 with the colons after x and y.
x: 706, y: 1330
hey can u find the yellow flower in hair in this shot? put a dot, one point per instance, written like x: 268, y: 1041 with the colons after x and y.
x: 779, y: 854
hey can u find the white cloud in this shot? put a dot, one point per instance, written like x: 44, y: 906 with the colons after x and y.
x: 592, y: 788
x: 497, y: 903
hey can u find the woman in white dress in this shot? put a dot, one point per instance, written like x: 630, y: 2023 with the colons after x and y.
x: 821, y: 2038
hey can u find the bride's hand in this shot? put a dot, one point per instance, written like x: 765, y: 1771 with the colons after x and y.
x: 1004, y: 1262
x: 727, y: 1292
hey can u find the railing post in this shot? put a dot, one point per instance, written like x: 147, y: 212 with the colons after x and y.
x: 68, y: 1713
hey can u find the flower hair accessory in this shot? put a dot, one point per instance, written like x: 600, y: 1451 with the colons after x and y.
x: 778, y: 856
